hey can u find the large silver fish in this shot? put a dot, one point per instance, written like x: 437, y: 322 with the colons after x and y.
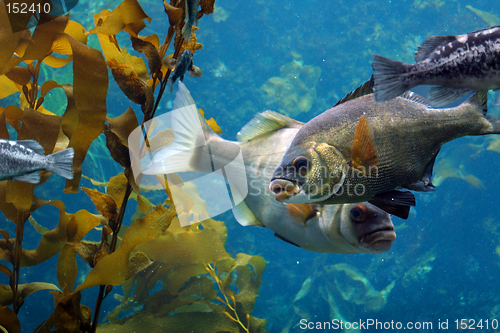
x: 459, y: 65
x: 349, y: 228
x: 361, y: 150
x: 21, y: 160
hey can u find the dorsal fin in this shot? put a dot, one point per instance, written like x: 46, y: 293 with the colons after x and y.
x: 265, y: 122
x: 411, y: 96
x: 430, y: 44
x: 33, y: 145
x: 365, y: 89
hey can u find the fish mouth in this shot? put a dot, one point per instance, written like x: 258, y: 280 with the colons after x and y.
x: 379, y: 240
x: 284, y: 189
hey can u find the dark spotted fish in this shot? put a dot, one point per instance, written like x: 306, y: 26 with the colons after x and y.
x: 459, y: 65
x: 180, y: 66
x: 21, y: 160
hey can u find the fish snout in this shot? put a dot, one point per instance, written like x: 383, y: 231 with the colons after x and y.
x: 284, y: 189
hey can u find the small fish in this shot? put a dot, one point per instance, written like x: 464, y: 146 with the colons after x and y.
x: 181, y: 66
x: 21, y: 160
x: 192, y: 15
x: 459, y: 65
x: 348, y: 228
x: 360, y: 150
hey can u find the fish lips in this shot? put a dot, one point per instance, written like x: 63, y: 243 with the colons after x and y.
x: 380, y: 239
x: 284, y: 189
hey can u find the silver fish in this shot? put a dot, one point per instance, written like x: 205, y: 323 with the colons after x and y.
x: 360, y: 150
x: 21, y: 160
x: 459, y: 65
x: 192, y: 16
x: 348, y: 228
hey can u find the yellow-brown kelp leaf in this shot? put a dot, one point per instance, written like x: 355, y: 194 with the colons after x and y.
x: 112, y: 269
x: 4, y: 133
x: 40, y: 229
x: 20, y: 194
x: 117, y: 186
x: 128, y: 12
x: 175, y: 14
x: 104, y: 203
x: 212, y: 123
x: 24, y: 290
x: 9, y: 41
x: 136, y: 264
x: 190, y: 45
x: 69, y: 315
x: 19, y: 75
x: 248, y: 280
x: 7, y: 87
x: 197, y: 247
x: 8, y: 209
x: 489, y: 18
x: 8, y: 320
x: 150, y: 51
x: 52, y: 241
x: 207, y: 6
x: 40, y: 127
x: 119, y: 152
x: 123, y: 125
x: 90, y: 86
x: 180, y: 322
x: 61, y: 44
x: 43, y: 38
x: 128, y: 81
x: 13, y: 116
x: 79, y: 225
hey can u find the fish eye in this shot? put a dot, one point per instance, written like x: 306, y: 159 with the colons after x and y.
x: 358, y: 213
x: 301, y: 164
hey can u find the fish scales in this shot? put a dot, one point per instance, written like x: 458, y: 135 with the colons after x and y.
x: 18, y: 157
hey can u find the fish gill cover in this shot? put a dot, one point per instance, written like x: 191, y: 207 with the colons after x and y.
x: 204, y: 286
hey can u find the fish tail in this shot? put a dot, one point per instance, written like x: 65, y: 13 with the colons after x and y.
x: 61, y: 163
x: 389, y: 82
x: 479, y: 101
x: 186, y: 31
x: 495, y: 123
x: 190, y: 148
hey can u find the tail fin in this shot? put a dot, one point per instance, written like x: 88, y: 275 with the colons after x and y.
x: 61, y: 163
x: 387, y: 75
x: 480, y: 102
x: 189, y: 151
x: 495, y: 122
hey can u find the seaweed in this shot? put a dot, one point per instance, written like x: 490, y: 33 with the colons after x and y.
x: 198, y: 276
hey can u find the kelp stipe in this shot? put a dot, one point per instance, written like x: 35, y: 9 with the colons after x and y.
x: 197, y: 274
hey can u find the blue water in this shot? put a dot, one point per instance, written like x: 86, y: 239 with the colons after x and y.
x: 445, y: 263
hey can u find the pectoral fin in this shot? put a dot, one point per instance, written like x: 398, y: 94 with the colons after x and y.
x: 364, y: 154
x: 33, y: 177
x: 301, y: 213
x: 425, y: 184
x: 395, y: 202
